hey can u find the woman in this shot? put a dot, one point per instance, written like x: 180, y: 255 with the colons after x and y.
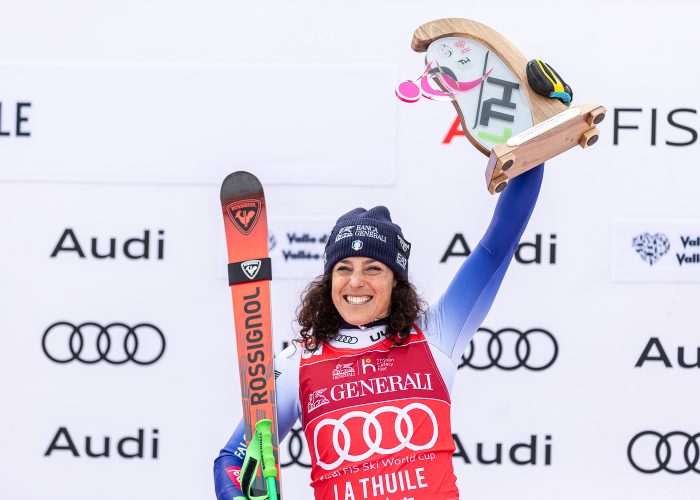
x: 372, y: 378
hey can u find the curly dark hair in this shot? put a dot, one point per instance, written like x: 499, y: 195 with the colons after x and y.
x: 320, y: 320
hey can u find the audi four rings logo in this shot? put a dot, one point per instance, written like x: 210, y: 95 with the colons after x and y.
x: 508, y: 349
x: 676, y: 452
x: 346, y: 339
x: 295, y: 449
x: 373, y: 445
x: 115, y: 343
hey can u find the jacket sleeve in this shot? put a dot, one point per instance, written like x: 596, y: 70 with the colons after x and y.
x: 455, y: 318
x: 228, y: 464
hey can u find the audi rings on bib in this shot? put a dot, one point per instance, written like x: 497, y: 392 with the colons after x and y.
x: 373, y: 445
x: 663, y: 453
x: 522, y: 351
x: 104, y: 348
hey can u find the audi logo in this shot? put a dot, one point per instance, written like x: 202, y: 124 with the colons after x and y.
x: 509, y: 349
x: 346, y: 339
x: 676, y: 452
x: 295, y: 449
x: 374, y: 445
x: 115, y: 343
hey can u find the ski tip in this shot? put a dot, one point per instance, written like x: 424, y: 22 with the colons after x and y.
x: 240, y: 184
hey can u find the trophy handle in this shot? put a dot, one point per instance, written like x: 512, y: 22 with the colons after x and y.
x: 575, y: 126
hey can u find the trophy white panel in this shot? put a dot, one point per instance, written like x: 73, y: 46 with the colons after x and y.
x: 495, y: 109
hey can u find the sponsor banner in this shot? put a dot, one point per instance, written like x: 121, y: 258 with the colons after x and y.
x: 160, y: 124
x: 674, y: 452
x: 296, y: 246
x: 91, y: 343
x: 294, y: 451
x: 670, y: 356
x: 143, y: 444
x: 510, y: 349
x: 538, y: 250
x: 148, y: 244
x: 656, y: 251
x: 637, y: 127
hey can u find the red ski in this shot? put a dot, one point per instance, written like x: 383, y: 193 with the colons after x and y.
x: 249, y: 273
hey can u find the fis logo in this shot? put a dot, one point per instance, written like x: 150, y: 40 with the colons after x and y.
x: 244, y: 214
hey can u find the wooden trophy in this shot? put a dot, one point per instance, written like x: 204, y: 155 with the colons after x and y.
x: 501, y: 115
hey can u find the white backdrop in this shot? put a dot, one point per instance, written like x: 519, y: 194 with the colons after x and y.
x: 130, y: 114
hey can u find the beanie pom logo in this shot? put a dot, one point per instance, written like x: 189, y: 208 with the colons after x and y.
x: 357, y: 245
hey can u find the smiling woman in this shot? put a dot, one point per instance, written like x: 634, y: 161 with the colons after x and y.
x: 371, y: 371
x: 361, y: 289
x: 358, y: 292
x: 365, y: 280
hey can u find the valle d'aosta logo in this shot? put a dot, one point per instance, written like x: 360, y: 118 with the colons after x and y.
x: 651, y: 247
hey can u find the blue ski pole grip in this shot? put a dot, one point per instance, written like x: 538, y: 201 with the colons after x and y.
x: 264, y: 427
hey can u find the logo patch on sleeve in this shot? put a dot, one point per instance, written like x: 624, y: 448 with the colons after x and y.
x: 234, y: 474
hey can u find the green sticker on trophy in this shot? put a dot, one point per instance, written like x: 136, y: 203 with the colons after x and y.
x: 516, y: 112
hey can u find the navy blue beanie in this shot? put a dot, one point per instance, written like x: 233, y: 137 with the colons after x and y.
x: 368, y: 233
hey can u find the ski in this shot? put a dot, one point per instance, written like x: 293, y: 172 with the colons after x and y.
x: 249, y: 275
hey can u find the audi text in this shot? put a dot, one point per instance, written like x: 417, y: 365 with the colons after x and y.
x: 132, y: 248
x: 125, y: 447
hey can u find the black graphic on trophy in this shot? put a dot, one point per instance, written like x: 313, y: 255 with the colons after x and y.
x: 513, y: 111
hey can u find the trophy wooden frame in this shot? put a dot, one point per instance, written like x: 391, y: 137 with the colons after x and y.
x: 538, y: 128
